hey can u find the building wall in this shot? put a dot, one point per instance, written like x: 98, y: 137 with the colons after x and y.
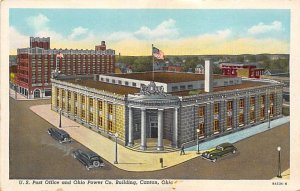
x: 214, y: 120
x: 35, y: 65
x: 89, y: 111
x: 240, y: 113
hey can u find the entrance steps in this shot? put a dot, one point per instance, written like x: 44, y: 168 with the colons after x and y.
x: 152, y: 146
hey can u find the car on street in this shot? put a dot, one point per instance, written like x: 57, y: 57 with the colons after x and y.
x: 218, y: 152
x: 59, y: 135
x: 88, y: 158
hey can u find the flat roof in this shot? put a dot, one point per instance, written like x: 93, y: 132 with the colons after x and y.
x: 124, y: 90
x: 167, y: 77
x: 243, y: 85
x: 113, y: 88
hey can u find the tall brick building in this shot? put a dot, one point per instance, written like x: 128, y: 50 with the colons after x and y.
x: 36, y: 63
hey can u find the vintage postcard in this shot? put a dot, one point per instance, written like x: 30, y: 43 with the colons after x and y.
x: 150, y: 95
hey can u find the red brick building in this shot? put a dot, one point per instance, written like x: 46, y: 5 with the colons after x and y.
x: 36, y: 63
x: 248, y: 70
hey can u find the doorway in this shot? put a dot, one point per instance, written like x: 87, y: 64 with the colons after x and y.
x: 153, y: 127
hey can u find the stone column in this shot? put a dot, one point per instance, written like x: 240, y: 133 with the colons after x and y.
x: 143, y: 129
x: 160, y: 143
x: 130, y: 126
x: 175, y: 128
x: 72, y: 103
x: 96, y: 116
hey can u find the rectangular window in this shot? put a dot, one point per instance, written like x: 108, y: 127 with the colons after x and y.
x: 83, y: 114
x: 241, y: 103
x: 62, y: 93
x: 120, y: 82
x: 83, y: 99
x: 174, y: 88
x: 262, y: 99
x: 91, y: 117
x: 241, y: 118
x: 252, y: 116
x: 75, y: 97
x: 133, y: 84
x: 272, y: 98
x: 271, y: 110
x: 201, y: 111
x: 100, y: 121
x: 229, y: 122
x: 91, y: 101
x: 262, y: 113
x: 229, y: 106
x: 182, y: 87
x: 216, y: 126
x: 69, y: 95
x: 110, y: 126
x: 69, y: 108
x: 126, y: 83
x: 252, y: 101
x: 216, y: 108
x: 201, y: 129
x: 110, y: 108
x: 100, y: 105
x: 190, y: 86
x: 75, y: 110
x: 57, y: 92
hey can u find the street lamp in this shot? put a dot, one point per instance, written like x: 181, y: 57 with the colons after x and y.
x: 198, y: 141
x: 279, y: 165
x: 59, y: 118
x: 269, y: 125
x: 116, y: 155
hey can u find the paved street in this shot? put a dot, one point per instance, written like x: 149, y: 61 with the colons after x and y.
x: 34, y: 154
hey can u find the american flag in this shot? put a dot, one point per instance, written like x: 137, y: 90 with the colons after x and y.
x: 157, y: 53
x: 59, y: 55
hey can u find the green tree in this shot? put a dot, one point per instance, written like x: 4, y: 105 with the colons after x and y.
x: 142, y: 64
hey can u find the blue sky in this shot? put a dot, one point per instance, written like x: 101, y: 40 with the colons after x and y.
x: 168, y: 28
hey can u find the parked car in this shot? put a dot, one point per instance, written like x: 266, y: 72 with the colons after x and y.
x: 218, y: 152
x: 88, y: 158
x: 59, y: 135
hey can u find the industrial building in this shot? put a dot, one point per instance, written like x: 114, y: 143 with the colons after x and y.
x: 36, y: 64
x: 172, y: 108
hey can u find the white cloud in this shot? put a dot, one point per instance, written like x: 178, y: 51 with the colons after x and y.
x: 264, y: 28
x: 16, y: 39
x: 38, y: 22
x: 77, y: 32
x: 165, y: 30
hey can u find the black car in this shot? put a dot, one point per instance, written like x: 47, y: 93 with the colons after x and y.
x: 59, y: 135
x: 88, y: 158
x: 218, y: 152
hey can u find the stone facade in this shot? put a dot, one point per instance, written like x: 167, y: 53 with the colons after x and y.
x: 137, y: 117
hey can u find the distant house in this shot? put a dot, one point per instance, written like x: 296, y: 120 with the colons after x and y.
x: 199, y: 69
x: 241, y: 69
x: 275, y: 72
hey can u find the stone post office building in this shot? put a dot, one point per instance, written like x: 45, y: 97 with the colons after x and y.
x: 167, y: 107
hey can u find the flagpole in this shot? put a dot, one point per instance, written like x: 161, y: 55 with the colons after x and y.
x: 152, y: 64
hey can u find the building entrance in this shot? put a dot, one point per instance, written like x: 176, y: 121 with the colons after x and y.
x: 153, y: 127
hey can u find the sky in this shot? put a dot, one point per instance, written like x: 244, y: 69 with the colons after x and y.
x: 174, y: 31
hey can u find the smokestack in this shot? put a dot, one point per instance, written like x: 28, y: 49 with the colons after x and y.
x: 208, y: 87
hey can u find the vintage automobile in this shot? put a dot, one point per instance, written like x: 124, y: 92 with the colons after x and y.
x: 88, y: 158
x: 218, y: 152
x: 59, y: 135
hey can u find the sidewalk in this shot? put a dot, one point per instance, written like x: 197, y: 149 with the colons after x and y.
x: 128, y: 160
x: 240, y: 135
x: 285, y: 175
x: 138, y: 161
x: 12, y: 94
